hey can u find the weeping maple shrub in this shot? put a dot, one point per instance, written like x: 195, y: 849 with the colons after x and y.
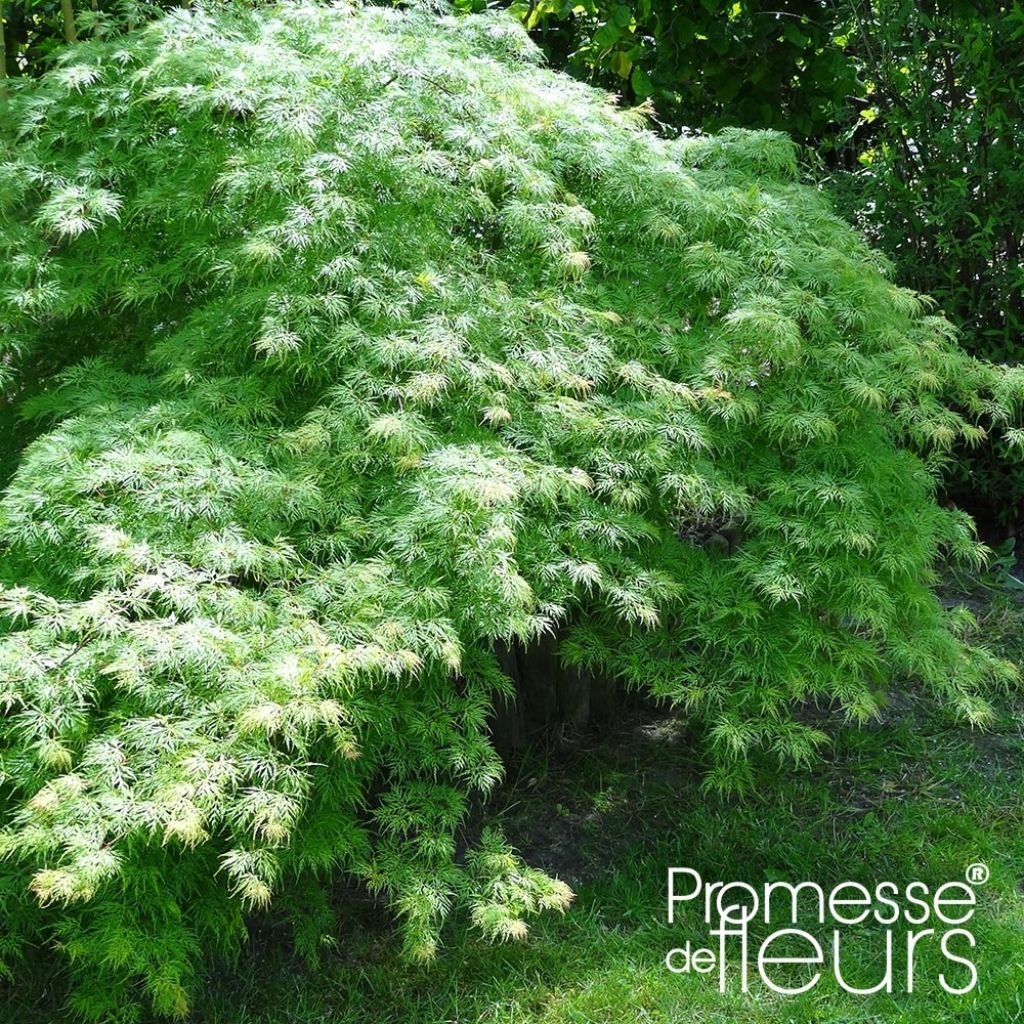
x: 358, y: 345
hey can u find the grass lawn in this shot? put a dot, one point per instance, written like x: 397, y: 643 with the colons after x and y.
x: 913, y: 797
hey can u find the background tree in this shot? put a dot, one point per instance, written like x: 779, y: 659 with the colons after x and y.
x: 933, y: 173
x: 704, y: 65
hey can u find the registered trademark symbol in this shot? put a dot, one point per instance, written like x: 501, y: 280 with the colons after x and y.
x: 977, y: 873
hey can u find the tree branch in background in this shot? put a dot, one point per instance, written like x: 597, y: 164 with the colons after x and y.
x: 68, y: 13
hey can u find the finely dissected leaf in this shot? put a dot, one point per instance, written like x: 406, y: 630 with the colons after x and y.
x: 381, y: 344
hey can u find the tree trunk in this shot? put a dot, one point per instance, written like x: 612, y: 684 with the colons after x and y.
x: 538, y: 673
x: 3, y: 56
x: 508, y: 724
x: 573, y: 690
x: 549, y: 696
x: 605, y: 699
x: 68, y: 11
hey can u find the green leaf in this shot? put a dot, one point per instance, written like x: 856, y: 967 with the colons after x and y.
x: 641, y: 83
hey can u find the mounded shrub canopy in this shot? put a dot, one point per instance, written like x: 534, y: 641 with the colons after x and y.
x: 378, y: 344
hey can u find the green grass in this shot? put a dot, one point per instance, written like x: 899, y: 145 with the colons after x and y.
x: 913, y: 797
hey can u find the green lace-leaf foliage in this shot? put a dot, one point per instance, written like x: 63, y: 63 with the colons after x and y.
x: 396, y: 345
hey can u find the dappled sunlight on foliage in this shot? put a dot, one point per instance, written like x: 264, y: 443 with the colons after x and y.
x: 401, y: 345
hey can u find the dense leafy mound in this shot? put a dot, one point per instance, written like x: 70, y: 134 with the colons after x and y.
x: 397, y: 345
